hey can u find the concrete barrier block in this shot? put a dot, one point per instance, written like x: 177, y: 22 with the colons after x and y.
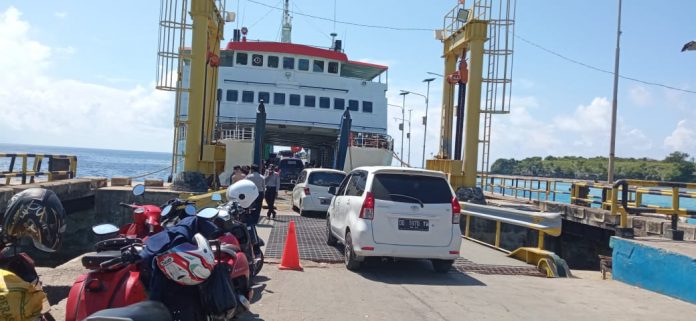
x: 120, y: 181
x: 577, y: 212
x: 654, y: 225
x: 80, y: 188
x: 154, y: 182
x: 639, y: 224
x: 689, y: 231
x: 97, y: 181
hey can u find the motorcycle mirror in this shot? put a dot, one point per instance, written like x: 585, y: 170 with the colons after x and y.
x: 138, y: 189
x: 207, y: 213
x: 216, y: 197
x: 166, y: 211
x: 190, y: 209
x: 104, y: 229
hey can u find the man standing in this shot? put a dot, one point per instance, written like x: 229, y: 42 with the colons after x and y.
x: 259, y: 181
x: 237, y: 174
x: 272, y: 186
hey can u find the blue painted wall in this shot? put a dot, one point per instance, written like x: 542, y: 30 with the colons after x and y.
x: 654, y: 269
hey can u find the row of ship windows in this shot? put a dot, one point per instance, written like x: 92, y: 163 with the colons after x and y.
x: 296, y: 100
x: 242, y: 58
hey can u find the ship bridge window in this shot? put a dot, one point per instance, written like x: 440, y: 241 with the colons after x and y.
x: 273, y: 61
x: 367, y: 106
x: 324, y: 102
x: 247, y: 96
x: 226, y: 58
x: 339, y: 103
x: 265, y: 96
x: 294, y: 100
x: 232, y: 95
x: 333, y: 67
x: 242, y: 58
x: 288, y: 63
x: 257, y: 60
x: 353, y: 105
x: 310, y: 101
x: 278, y: 98
x: 318, y: 66
x: 303, y: 64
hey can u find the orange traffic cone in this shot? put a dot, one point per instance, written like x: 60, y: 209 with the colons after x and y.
x: 291, y: 253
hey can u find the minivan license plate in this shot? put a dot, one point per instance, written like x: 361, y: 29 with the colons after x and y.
x: 407, y: 224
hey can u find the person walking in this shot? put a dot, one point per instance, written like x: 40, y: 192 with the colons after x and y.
x: 260, y: 183
x: 237, y: 174
x: 272, y: 186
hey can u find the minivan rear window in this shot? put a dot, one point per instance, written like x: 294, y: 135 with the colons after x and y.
x: 326, y: 179
x: 403, y: 188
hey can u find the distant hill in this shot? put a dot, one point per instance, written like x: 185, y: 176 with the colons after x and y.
x: 676, y: 167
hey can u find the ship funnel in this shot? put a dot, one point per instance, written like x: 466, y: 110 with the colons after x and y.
x: 237, y: 35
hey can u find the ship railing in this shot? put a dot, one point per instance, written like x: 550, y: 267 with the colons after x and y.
x: 246, y: 133
x: 622, y: 198
x: 59, y: 167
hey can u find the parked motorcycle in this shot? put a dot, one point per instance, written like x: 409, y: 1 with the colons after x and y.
x: 36, y: 214
x: 120, y: 278
x: 147, y: 219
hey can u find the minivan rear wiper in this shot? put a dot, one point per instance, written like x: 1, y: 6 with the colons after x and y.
x: 410, y: 197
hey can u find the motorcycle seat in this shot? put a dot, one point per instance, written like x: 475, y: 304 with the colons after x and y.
x: 93, y: 259
x: 141, y: 311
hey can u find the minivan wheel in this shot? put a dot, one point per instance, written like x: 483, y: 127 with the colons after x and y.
x: 351, y: 260
x: 331, y: 240
x: 442, y: 266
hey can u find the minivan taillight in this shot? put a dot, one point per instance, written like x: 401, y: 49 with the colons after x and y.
x: 306, y: 191
x: 456, y: 208
x: 368, y: 208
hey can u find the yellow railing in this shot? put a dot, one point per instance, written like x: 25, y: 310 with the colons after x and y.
x: 546, y: 189
x: 59, y: 167
x: 621, y: 198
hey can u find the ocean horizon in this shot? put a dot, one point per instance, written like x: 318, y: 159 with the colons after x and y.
x: 99, y: 162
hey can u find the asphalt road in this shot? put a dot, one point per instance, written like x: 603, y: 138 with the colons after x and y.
x: 410, y: 290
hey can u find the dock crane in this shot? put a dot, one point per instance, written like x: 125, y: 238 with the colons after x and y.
x: 196, y: 157
x: 487, y: 40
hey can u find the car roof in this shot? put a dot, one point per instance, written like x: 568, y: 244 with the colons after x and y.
x: 403, y: 170
x: 327, y: 170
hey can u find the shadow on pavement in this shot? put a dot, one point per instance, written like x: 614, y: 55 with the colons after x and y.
x: 56, y: 293
x: 413, y: 272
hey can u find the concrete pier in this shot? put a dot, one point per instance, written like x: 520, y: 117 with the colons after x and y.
x: 659, y: 265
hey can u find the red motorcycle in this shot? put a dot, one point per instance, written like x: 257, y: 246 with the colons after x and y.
x: 117, y: 276
x: 147, y: 219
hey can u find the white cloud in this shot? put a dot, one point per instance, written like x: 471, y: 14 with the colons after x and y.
x: 683, y: 138
x: 640, y: 96
x: 60, y: 14
x: 42, y: 110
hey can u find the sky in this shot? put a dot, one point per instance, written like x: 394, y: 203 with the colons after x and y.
x: 82, y: 73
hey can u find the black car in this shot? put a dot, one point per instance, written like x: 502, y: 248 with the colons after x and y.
x: 290, y: 168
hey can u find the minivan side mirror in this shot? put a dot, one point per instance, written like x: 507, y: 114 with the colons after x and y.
x: 332, y: 190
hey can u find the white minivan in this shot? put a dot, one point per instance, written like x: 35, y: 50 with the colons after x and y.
x: 395, y: 212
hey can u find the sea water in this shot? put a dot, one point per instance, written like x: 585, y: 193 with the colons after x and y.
x: 97, y: 162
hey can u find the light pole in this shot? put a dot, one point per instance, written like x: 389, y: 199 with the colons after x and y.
x: 403, y: 117
x: 612, y: 144
x: 409, y: 136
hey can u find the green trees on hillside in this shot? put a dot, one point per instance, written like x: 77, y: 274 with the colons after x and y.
x: 676, y: 167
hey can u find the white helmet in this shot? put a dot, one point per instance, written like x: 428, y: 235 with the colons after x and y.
x: 243, y: 192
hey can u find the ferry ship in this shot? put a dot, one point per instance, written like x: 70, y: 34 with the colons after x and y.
x: 305, y: 90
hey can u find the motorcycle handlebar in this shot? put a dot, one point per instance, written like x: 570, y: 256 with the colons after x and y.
x: 122, y: 204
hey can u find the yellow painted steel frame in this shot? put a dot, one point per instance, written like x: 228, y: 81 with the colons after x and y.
x: 203, y: 200
x: 470, y: 36
x: 207, y: 32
